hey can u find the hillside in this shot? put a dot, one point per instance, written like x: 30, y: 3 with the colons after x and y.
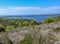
x: 48, y: 33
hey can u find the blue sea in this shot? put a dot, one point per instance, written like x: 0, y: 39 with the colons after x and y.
x: 38, y: 18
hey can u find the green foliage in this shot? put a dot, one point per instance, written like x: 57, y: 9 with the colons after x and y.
x: 39, y: 39
x: 57, y: 18
x: 20, y: 22
x: 32, y: 22
x: 19, y: 25
x: 9, y: 28
x: 48, y: 20
x: 25, y: 23
x: 27, y: 40
x: 1, y: 25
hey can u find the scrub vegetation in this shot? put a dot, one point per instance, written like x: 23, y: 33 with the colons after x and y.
x: 28, y: 31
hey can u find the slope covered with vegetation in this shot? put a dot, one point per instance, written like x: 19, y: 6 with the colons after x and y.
x: 17, y: 31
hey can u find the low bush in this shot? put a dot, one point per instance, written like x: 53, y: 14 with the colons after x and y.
x: 25, y: 23
x: 9, y: 28
x: 57, y: 18
x: 27, y: 40
x: 48, y: 20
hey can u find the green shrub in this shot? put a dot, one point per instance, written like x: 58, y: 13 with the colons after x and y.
x: 57, y: 18
x: 25, y: 23
x: 2, y: 28
x: 27, y: 40
x: 9, y: 28
x: 19, y: 25
x: 1, y: 25
x: 32, y: 22
x: 48, y: 20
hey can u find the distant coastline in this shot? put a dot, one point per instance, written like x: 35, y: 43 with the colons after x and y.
x: 34, y: 17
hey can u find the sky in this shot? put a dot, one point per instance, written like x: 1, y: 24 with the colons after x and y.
x: 29, y: 7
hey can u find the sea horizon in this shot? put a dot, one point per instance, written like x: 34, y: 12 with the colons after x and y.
x: 38, y: 18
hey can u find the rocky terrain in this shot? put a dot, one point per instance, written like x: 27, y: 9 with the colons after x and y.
x: 51, y: 30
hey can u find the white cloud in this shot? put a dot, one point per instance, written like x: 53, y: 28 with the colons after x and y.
x: 28, y: 10
x: 52, y: 9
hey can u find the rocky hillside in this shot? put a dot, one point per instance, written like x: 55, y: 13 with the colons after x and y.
x: 48, y: 33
